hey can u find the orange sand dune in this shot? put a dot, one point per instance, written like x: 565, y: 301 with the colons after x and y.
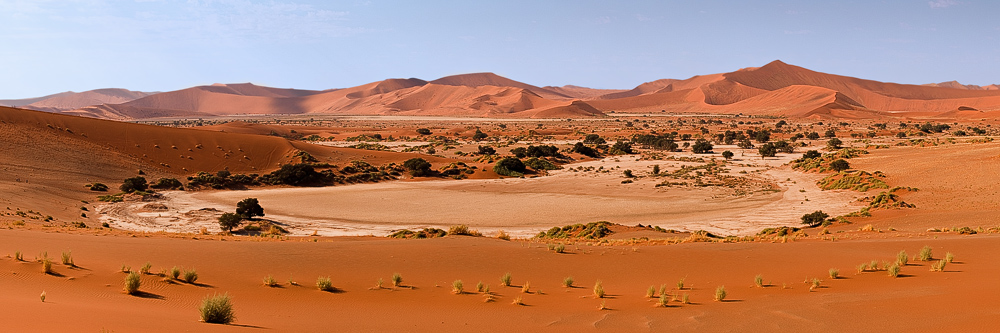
x: 491, y: 95
x: 72, y: 100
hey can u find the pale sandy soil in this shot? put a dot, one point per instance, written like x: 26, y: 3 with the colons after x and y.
x: 522, y: 207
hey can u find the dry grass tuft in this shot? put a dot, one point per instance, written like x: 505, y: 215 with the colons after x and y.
x: 457, y: 287
x: 720, y: 294
x: 599, y: 289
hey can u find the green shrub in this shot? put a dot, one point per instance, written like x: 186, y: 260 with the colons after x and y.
x: 98, y: 187
x: 217, y: 309
x: 834, y: 273
x: 840, y: 165
x: 893, y: 270
x: 397, y: 280
x: 568, y: 282
x: 249, y: 208
x: 134, y: 184
x: 145, y: 268
x: 67, y: 259
x: 229, y: 221
x: 270, y: 281
x: 814, y: 218
x: 46, y: 266
x: 902, y: 258
x: 167, y: 184
x: 418, y: 167
x: 510, y: 167
x: 949, y: 257
x: 175, y: 272
x: 457, y: 287
x: 939, y: 266
x: 651, y: 292
x: 541, y: 164
x: 132, y: 282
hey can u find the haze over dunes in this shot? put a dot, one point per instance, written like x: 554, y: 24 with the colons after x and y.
x: 776, y: 89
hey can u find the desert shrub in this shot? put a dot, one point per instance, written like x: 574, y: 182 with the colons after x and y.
x: 540, y: 164
x: 270, y: 281
x: 758, y: 280
x: 18, y: 256
x: 509, y: 166
x: 175, y: 272
x: 815, y: 284
x: 98, y: 187
x: 599, y: 289
x: 593, y: 230
x: 727, y: 155
x: 217, y: 309
x: 584, y: 150
x: 834, y: 144
x: 502, y: 235
x: 67, y: 259
x: 809, y: 154
x: 939, y: 266
x: 651, y: 292
x: 229, y: 221
x: 568, y: 282
x: 505, y: 280
x: 324, y: 284
x: 834, y: 273
x: 680, y: 284
x: 457, y: 287
x: 518, y: 300
x: 425, y: 233
x: 145, y: 268
x: 893, y: 270
x: 132, y: 282
x: 814, y: 218
x: 701, y: 146
x: 778, y: 231
x: 190, y: 276
x: 840, y: 165
x: 167, y: 184
x: 593, y: 139
x: 767, y: 150
x: 720, y: 294
x: 418, y: 167
x: 487, y: 150
x: 902, y: 258
x: 397, y: 280
x: 949, y: 257
x: 559, y: 248
x: 46, y: 265
x: 621, y: 148
x: 249, y: 208
x: 526, y: 288
x: 924, y: 254
x: 301, y: 174
x: 134, y: 184
x: 479, y: 135
x: 463, y: 230
x: 423, y: 131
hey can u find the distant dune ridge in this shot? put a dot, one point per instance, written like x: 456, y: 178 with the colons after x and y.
x: 775, y: 89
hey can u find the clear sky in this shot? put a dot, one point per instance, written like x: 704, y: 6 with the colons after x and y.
x: 162, y: 45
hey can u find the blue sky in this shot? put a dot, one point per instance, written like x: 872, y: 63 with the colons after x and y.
x: 161, y: 45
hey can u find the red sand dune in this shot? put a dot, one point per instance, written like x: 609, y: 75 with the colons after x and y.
x: 755, y: 90
x: 72, y: 100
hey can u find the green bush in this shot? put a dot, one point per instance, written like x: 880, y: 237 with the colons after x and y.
x: 98, y: 187
x: 132, y: 282
x: 229, y: 221
x: 167, y: 184
x: 509, y: 166
x: 840, y: 165
x: 814, y: 218
x: 418, y: 167
x: 134, y: 184
x: 540, y: 164
x: 249, y: 208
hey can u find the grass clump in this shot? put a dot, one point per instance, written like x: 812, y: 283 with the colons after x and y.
x: 397, y: 280
x: 505, y: 280
x: 834, y: 273
x: 132, y: 283
x: 190, y: 276
x: 815, y: 284
x: 651, y: 292
x: 568, y: 282
x: 175, y: 272
x: 518, y: 301
x: 46, y: 266
x: 217, y: 309
x: 599, y: 289
x: 720, y: 294
x: 67, y: 259
x: 925, y: 254
x: 145, y: 268
x: 902, y: 258
x: 18, y: 256
x: 759, y: 281
x: 559, y: 248
x: 662, y: 302
x: 593, y: 230
x: 126, y: 268
x: 939, y: 266
x: 503, y: 235
x: 480, y: 286
x: 526, y: 288
x: 680, y: 284
x: 457, y: 287
x: 893, y: 270
x: 464, y: 231
x: 949, y: 257
x: 324, y: 284
x: 270, y: 281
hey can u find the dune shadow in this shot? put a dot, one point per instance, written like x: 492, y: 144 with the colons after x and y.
x: 143, y: 294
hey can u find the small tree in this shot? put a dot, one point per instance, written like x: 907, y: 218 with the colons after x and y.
x: 727, y: 155
x: 767, y: 150
x: 479, y: 135
x: 229, y: 221
x: 834, y: 143
x: 814, y: 218
x: 134, y: 184
x: 811, y: 154
x: 248, y: 208
x: 701, y: 146
x: 487, y: 150
x: 509, y: 166
x: 839, y: 165
x: 418, y: 167
x: 423, y: 131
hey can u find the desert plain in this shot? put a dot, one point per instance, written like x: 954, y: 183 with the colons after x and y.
x: 677, y: 205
